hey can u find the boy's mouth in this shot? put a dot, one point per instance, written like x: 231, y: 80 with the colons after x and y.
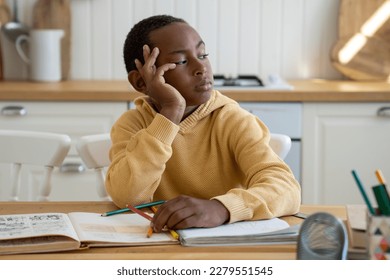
x: 204, y: 85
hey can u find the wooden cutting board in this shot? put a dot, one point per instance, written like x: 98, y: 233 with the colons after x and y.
x: 55, y: 14
x: 371, y: 60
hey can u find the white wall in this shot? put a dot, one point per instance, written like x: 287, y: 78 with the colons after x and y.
x: 290, y: 37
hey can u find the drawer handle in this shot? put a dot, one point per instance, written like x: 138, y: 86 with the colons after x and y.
x: 72, y: 168
x: 14, y: 110
x: 383, y: 112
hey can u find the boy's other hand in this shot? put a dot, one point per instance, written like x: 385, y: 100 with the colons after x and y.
x: 169, y: 102
x: 186, y: 212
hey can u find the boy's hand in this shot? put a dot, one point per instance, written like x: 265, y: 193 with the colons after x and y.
x: 169, y: 102
x: 186, y: 212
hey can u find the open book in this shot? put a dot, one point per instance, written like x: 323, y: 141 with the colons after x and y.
x: 49, y: 232
x: 242, y: 233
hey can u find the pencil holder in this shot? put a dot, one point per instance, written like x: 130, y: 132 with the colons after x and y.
x: 378, y: 237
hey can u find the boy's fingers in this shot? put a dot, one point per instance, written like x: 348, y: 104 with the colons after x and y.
x: 146, y: 51
x: 173, y: 212
x: 164, y: 68
x: 150, y: 58
x: 138, y: 64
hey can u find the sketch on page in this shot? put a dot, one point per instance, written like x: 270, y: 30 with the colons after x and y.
x: 120, y: 228
x: 19, y: 226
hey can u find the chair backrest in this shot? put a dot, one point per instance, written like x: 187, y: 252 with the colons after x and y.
x: 281, y: 144
x: 94, y: 151
x: 33, y: 148
x: 322, y: 236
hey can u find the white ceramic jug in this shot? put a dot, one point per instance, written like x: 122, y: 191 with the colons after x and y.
x: 44, y: 56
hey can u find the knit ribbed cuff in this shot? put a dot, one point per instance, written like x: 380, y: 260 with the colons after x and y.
x: 236, y: 207
x: 163, y: 129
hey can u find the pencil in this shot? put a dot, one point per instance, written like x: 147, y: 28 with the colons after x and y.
x: 174, y: 234
x: 171, y: 231
x: 379, y: 175
x: 361, y: 188
x: 146, y: 216
x: 150, y: 232
x: 139, y: 212
x: 123, y: 210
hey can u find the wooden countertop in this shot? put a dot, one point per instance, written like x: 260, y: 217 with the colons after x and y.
x: 115, y: 91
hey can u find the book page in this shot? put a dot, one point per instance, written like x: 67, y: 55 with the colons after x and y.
x: 236, y: 229
x: 122, y: 229
x: 33, y: 225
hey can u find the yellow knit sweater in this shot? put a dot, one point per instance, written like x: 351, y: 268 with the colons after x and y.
x: 218, y: 152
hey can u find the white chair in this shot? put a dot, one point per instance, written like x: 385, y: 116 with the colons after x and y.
x: 94, y: 151
x: 281, y: 144
x: 35, y: 148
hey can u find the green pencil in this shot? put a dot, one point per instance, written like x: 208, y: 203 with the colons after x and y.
x: 363, y: 192
x: 382, y: 198
x: 149, y: 204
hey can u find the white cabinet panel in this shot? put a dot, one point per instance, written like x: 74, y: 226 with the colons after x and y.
x: 284, y: 118
x: 248, y: 46
x: 270, y: 38
x: 291, y: 54
x: 337, y: 139
x: 101, y: 34
x: 81, y: 64
x: 73, y: 118
x: 73, y: 185
x: 293, y: 159
x: 227, y: 57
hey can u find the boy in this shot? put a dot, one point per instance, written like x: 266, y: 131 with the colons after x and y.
x: 187, y: 143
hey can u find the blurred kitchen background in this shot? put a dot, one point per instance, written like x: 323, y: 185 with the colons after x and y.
x: 290, y: 38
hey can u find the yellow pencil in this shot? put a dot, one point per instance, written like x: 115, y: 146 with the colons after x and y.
x: 174, y: 234
x: 171, y: 231
x: 379, y: 175
x: 150, y: 232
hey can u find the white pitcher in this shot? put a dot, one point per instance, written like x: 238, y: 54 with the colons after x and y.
x: 44, y: 56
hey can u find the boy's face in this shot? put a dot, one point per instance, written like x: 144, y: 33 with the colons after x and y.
x: 179, y: 43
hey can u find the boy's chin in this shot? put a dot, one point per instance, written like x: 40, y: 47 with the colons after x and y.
x: 203, y: 98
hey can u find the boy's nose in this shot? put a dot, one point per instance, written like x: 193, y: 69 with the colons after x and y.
x: 200, y: 70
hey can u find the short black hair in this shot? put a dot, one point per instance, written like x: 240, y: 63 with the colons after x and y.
x: 139, y: 36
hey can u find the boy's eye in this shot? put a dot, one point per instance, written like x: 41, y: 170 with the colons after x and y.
x: 184, y: 61
x: 181, y: 62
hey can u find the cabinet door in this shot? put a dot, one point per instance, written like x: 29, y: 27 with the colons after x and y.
x: 338, y: 138
x: 73, y: 118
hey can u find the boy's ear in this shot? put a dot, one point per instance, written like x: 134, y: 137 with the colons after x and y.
x: 137, y: 81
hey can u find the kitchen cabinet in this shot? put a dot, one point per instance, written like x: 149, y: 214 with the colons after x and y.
x: 71, y: 181
x: 340, y: 137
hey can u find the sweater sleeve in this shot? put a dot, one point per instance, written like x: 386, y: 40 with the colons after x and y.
x: 270, y: 189
x: 134, y: 154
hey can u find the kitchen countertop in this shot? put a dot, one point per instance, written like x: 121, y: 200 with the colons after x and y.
x: 115, y: 91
